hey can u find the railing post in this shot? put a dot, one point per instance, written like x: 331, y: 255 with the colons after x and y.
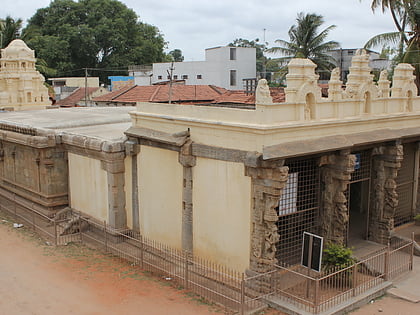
x: 186, y: 279
x: 33, y: 217
x: 242, y: 306
x: 386, y: 264
x: 141, y: 251
x: 80, y: 227
x: 412, y: 251
x: 14, y: 205
x: 55, y: 232
x: 316, y: 297
x: 105, y: 237
x: 354, y: 279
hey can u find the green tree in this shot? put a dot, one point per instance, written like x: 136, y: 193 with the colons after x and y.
x: 176, y: 55
x: 306, y: 40
x: 406, y: 17
x: 10, y: 29
x: 101, y: 34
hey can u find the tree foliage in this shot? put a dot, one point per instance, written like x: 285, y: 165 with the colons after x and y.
x: 306, y: 40
x: 406, y: 17
x: 72, y: 35
x: 10, y: 29
x: 176, y: 55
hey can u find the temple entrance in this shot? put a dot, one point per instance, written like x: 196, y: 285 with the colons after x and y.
x: 358, y: 210
x: 358, y: 194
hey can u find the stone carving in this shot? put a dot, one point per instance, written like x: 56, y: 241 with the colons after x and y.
x: 262, y: 94
x: 335, y: 90
x: 383, y: 84
x: 359, y: 79
x: 335, y: 174
x: 385, y: 166
x: 268, y: 182
x: 22, y: 86
x: 335, y: 74
x: 403, y: 81
x: 302, y: 80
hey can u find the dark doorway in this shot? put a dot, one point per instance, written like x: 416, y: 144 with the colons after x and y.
x: 358, y: 210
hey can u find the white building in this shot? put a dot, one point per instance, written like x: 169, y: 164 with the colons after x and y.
x: 226, y: 67
x: 343, y: 58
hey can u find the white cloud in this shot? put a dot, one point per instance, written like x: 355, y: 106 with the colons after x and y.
x: 193, y: 25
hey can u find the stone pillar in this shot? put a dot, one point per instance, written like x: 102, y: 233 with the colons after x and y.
x: 385, y: 165
x: 188, y: 161
x: 335, y: 178
x: 268, y: 181
x: 132, y: 148
x: 116, y: 194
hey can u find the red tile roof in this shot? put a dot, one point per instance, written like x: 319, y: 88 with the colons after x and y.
x: 240, y: 97
x: 76, y: 97
x: 184, y: 94
x: 160, y: 94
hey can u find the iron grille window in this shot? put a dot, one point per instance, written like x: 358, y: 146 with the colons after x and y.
x: 298, y: 209
x: 405, y: 185
x: 362, y: 167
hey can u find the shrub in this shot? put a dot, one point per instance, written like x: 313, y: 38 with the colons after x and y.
x: 337, y: 256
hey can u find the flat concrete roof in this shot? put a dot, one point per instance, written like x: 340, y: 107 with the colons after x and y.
x: 107, y: 123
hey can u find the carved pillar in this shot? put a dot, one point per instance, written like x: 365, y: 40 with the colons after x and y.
x: 385, y: 166
x: 116, y: 195
x: 268, y: 181
x: 335, y: 178
x: 188, y: 161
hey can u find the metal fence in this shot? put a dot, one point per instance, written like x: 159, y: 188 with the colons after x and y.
x: 286, y: 284
x: 318, y: 292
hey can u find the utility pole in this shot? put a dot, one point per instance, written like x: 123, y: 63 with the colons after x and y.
x: 264, y: 61
x: 86, y: 93
x: 170, y: 72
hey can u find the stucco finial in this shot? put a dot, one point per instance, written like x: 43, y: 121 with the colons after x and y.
x: 262, y: 94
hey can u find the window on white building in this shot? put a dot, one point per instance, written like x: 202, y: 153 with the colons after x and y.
x: 199, y: 76
x: 184, y: 77
x: 175, y: 77
x: 233, y: 77
x: 159, y: 77
x: 233, y: 54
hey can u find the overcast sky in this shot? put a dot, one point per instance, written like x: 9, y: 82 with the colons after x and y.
x: 194, y: 25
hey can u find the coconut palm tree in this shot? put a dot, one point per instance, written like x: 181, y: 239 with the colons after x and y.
x: 10, y: 29
x: 406, y: 15
x: 308, y: 41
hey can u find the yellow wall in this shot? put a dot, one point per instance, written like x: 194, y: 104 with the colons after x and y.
x: 88, y: 187
x: 222, y: 207
x: 160, y: 195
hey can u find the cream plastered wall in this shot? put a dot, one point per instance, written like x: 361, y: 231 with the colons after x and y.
x: 160, y: 195
x: 128, y: 191
x: 363, y: 106
x: 88, y: 186
x: 221, y: 212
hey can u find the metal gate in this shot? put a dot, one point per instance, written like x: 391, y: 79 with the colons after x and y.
x: 298, y: 208
x: 406, y: 185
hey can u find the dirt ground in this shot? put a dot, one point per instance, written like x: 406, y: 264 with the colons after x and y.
x: 39, y: 279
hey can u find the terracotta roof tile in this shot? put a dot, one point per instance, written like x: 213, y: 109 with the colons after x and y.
x: 160, y: 94
x: 240, y: 97
x: 75, y: 97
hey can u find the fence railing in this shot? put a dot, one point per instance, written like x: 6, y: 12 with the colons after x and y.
x: 318, y: 292
x: 295, y: 285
